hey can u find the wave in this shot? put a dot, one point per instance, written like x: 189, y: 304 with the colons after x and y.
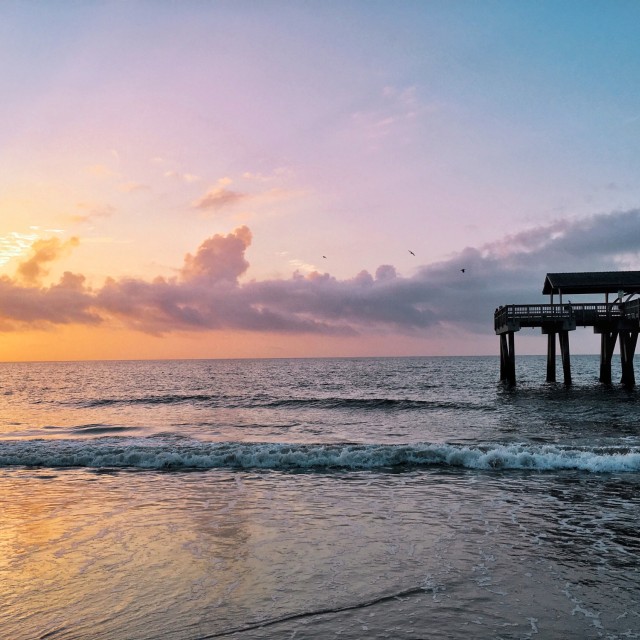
x: 176, y: 453
x: 401, y: 404
x: 166, y: 399
x: 98, y: 429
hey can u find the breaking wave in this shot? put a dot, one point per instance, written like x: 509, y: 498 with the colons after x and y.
x: 169, y: 453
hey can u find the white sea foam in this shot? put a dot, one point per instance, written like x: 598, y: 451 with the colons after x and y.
x: 174, y: 453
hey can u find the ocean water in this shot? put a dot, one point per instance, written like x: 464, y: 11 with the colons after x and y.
x: 319, y: 498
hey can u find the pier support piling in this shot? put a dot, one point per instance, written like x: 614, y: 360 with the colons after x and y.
x: 507, y: 358
x: 566, y: 357
x: 607, y: 345
x: 551, y: 356
x: 628, y: 342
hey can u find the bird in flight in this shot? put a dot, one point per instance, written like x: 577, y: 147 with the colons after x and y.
x: 411, y: 252
x: 463, y: 270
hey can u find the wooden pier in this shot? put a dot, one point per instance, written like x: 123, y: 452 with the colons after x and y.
x: 616, y: 321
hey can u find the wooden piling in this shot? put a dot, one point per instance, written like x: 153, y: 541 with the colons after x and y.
x: 503, y: 356
x: 551, y: 356
x: 512, y: 359
x: 566, y: 358
x: 607, y: 345
x: 507, y: 358
x: 628, y: 342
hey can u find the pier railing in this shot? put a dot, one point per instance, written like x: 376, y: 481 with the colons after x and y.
x: 632, y: 309
x: 513, y: 316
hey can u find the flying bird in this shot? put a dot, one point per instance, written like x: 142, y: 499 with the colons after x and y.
x: 463, y: 270
x: 411, y: 252
x: 325, y: 257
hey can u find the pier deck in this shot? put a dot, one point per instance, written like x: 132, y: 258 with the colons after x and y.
x: 556, y: 316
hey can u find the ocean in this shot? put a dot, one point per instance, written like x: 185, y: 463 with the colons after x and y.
x: 317, y: 499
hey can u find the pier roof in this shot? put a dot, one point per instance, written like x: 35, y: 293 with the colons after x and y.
x: 592, y: 282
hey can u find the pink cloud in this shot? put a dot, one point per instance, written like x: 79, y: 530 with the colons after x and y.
x: 184, y: 177
x: 219, y: 198
x: 208, y: 293
x: 219, y: 258
x: 93, y: 212
x: 66, y: 302
x: 43, y: 251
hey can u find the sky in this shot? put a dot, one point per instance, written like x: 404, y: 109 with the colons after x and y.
x: 222, y: 179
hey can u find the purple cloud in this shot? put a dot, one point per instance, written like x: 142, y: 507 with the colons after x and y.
x: 67, y: 302
x: 209, y: 295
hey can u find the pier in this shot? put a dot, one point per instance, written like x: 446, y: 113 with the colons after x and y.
x: 616, y: 321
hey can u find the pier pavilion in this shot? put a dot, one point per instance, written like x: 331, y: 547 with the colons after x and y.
x: 615, y: 320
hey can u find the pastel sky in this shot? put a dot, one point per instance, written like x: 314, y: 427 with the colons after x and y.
x: 249, y: 178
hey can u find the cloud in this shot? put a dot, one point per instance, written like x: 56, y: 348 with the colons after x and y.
x: 220, y: 197
x: 28, y: 307
x: 184, y: 177
x: 302, y: 266
x: 392, y: 111
x: 43, y: 251
x: 210, y: 291
x: 278, y: 173
x: 132, y: 187
x: 219, y: 258
x: 92, y: 212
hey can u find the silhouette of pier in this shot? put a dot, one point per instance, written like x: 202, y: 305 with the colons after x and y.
x: 615, y: 321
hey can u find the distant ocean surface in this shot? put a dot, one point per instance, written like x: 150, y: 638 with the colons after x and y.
x: 315, y: 499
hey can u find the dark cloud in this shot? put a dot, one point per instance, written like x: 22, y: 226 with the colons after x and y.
x: 208, y: 293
